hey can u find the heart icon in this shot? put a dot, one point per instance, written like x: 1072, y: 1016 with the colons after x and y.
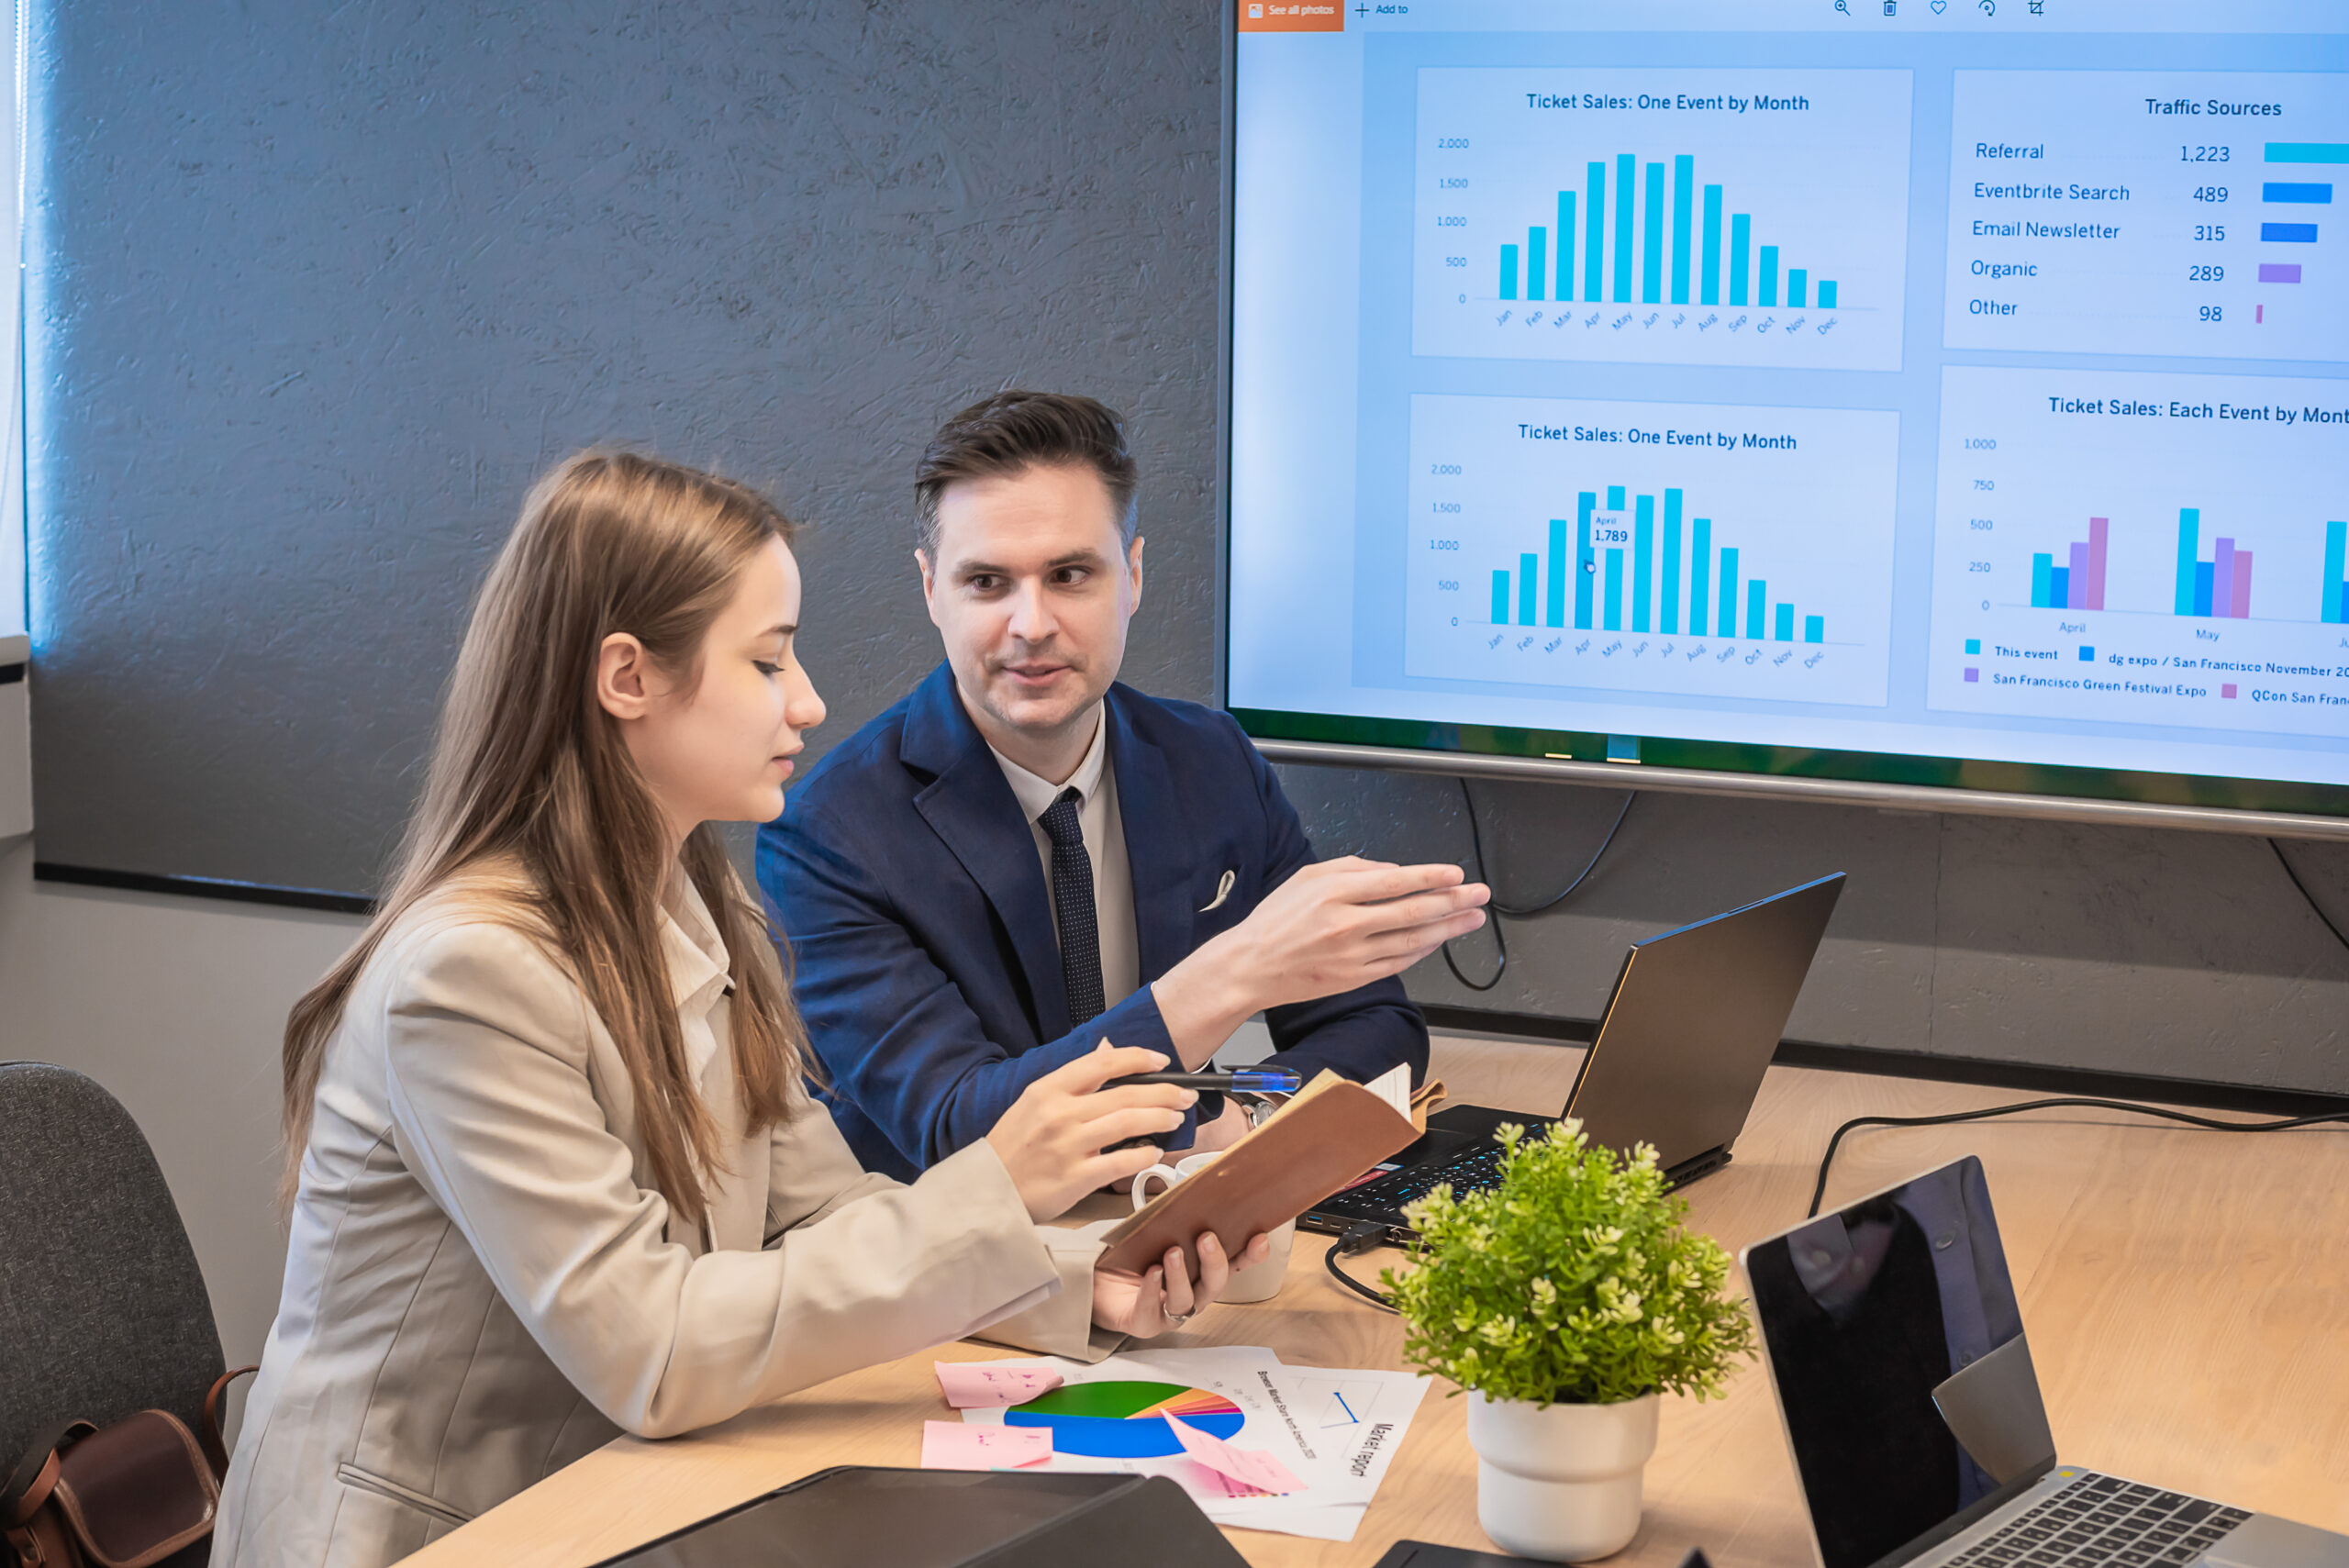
x: 1940, y: 6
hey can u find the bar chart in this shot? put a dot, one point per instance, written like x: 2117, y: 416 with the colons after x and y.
x: 2078, y: 584
x: 1676, y: 217
x: 2148, y: 213
x: 2220, y: 586
x: 1752, y: 271
x: 2332, y: 588
x: 2072, y: 580
x: 1660, y: 547
x: 1657, y: 589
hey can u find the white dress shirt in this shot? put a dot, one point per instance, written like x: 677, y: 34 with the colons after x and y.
x: 1096, y: 784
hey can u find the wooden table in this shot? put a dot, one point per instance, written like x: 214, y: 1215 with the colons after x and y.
x: 2187, y: 1295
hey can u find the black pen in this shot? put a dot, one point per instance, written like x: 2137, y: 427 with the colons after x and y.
x: 1245, y: 1080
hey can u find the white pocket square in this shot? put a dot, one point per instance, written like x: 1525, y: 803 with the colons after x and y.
x: 1222, y: 892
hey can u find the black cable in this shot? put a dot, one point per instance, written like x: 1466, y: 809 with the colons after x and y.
x: 1820, y: 1191
x: 2304, y: 887
x: 1520, y: 912
x: 1366, y: 1235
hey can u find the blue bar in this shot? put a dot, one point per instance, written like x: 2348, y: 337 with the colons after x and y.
x: 1798, y: 287
x: 1827, y: 293
x: 1729, y: 591
x: 1528, y: 567
x: 1683, y: 179
x: 1624, y: 166
x: 1708, y: 270
x: 1614, y: 590
x: 2289, y: 190
x: 1651, y: 240
x: 1585, y: 564
x: 2307, y: 152
x: 1594, y: 233
x: 2205, y: 579
x: 1508, y: 271
x: 1765, y: 289
x: 2288, y: 233
x: 1501, y: 598
x: 1614, y: 497
x: 1557, y: 607
x: 1814, y: 629
x: 1642, y: 561
x: 1668, y: 618
x: 1565, y: 246
x: 1537, y: 261
x: 2189, y: 544
x: 1754, y: 597
x: 1786, y: 627
x: 2334, y: 605
x: 1740, y: 228
x: 2043, y: 582
x: 1701, y: 565
x: 2059, y: 588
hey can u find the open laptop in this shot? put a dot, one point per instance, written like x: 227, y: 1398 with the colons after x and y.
x: 1679, y: 1055
x: 1897, y: 1353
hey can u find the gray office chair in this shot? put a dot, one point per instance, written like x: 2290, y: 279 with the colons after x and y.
x: 102, y: 1310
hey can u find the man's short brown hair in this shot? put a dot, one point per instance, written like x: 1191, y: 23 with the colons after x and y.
x: 1015, y: 431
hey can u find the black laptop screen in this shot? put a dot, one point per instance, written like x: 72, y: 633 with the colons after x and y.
x: 1897, y: 1351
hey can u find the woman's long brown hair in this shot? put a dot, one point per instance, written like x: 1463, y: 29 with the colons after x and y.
x: 529, y: 771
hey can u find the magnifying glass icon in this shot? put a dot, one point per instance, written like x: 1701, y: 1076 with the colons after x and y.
x: 1842, y: 7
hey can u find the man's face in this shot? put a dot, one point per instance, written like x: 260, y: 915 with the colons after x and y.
x: 1031, y: 590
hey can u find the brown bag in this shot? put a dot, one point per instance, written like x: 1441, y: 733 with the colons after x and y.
x: 124, y: 1496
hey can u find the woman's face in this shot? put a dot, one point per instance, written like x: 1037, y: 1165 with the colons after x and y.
x: 719, y: 750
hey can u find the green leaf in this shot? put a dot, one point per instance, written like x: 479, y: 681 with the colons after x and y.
x: 1572, y: 1279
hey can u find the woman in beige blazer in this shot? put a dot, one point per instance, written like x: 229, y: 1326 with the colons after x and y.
x: 558, y: 1176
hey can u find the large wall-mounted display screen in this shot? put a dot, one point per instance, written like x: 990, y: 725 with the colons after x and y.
x: 1952, y: 394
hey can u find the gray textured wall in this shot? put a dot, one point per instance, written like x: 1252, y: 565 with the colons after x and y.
x: 316, y: 292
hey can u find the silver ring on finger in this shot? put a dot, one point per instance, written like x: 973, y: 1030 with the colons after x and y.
x: 1176, y: 1320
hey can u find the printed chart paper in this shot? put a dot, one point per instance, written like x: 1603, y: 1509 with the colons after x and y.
x: 1332, y: 1431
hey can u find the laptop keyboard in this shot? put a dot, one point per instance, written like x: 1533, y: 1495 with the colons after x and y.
x: 1471, y: 1170
x: 2101, y: 1519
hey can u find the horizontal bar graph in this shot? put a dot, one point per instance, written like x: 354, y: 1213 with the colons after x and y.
x: 1662, y: 252
x: 1656, y: 575
x: 2293, y: 229
x: 2307, y: 152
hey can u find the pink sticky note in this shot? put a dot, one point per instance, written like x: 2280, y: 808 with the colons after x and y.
x: 951, y: 1445
x: 973, y: 1386
x: 1255, y: 1469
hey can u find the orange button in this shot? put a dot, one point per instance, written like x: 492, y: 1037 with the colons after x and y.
x: 1292, y: 17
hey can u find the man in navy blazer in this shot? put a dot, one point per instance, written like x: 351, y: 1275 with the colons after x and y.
x: 1023, y: 858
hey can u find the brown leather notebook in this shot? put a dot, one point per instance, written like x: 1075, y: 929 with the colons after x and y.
x: 1329, y: 1133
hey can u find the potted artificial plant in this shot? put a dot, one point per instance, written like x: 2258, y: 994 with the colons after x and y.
x: 1564, y: 1301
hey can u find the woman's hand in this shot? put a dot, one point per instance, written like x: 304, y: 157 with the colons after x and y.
x: 1146, y: 1306
x: 1054, y: 1138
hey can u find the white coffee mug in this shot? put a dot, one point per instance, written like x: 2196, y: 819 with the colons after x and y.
x: 1258, y: 1282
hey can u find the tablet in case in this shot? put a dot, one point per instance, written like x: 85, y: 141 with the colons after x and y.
x: 861, y: 1517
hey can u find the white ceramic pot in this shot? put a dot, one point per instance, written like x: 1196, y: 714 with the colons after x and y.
x: 1562, y: 1482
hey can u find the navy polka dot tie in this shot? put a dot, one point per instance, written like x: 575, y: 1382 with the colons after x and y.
x: 1080, y: 933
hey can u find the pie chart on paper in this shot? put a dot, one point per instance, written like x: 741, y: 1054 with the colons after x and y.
x: 1124, y: 1420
